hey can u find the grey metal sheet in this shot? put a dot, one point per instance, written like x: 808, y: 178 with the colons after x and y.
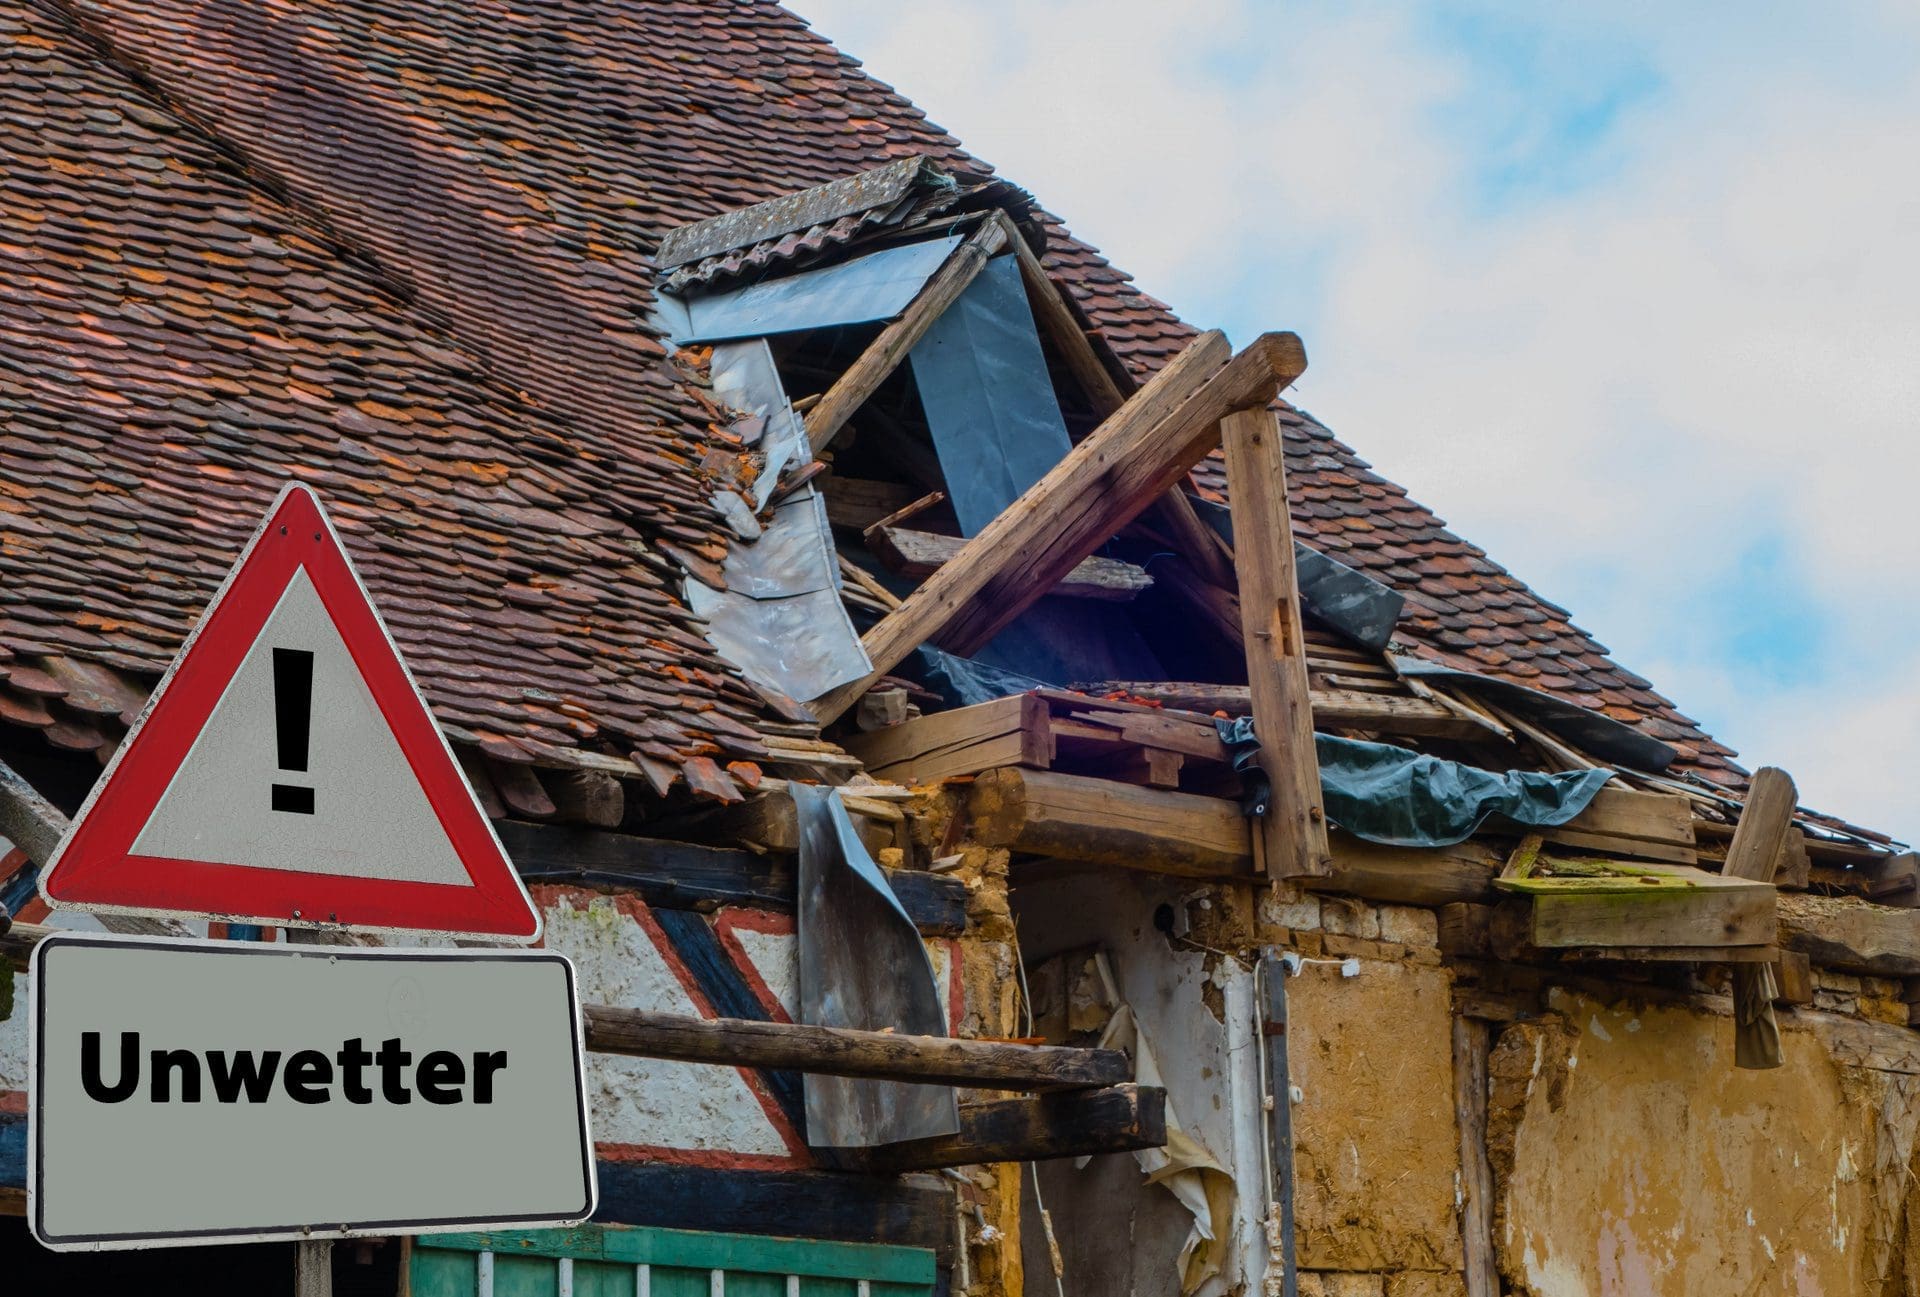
x: 988, y: 398
x: 795, y: 645
x: 862, y: 965
x: 1350, y: 601
x: 877, y: 286
x: 881, y: 187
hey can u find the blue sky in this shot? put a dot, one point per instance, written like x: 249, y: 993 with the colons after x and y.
x: 1630, y: 294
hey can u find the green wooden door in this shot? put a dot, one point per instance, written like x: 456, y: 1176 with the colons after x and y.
x: 610, y: 1261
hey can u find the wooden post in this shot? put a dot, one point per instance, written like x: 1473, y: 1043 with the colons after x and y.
x: 1279, y: 1086
x: 1103, y: 484
x: 1471, y: 1044
x: 1754, y: 853
x: 851, y: 390
x: 1293, y: 833
x: 313, y: 1269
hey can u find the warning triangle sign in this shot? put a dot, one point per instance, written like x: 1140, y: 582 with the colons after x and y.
x: 286, y: 770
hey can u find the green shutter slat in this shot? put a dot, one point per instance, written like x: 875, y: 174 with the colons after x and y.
x: 682, y: 1261
x: 444, y: 1274
x: 524, y: 1276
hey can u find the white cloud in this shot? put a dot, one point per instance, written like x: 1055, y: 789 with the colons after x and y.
x: 1623, y: 352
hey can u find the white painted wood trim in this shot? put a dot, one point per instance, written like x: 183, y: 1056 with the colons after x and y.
x: 717, y: 1283
x: 563, y: 1279
x: 793, y: 1285
x: 483, y: 1275
x: 643, y: 1281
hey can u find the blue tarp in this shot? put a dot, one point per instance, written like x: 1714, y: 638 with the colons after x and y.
x: 1406, y: 799
x: 989, y: 401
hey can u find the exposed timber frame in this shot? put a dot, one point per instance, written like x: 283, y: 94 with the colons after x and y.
x: 1104, y: 483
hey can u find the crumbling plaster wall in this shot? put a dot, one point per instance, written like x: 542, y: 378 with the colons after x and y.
x: 1376, y: 1143
x: 1632, y: 1159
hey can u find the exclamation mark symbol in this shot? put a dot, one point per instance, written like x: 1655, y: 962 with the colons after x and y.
x: 292, y: 717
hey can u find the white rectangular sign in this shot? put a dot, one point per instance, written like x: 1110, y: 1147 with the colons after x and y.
x: 202, y: 1091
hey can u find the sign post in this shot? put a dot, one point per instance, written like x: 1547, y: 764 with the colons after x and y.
x: 287, y: 772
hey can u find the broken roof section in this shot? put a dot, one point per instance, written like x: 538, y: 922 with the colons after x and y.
x: 403, y: 251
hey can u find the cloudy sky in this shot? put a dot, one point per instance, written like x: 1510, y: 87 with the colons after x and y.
x: 1628, y: 293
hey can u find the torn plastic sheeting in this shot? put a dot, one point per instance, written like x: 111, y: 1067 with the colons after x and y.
x: 1350, y: 601
x: 862, y: 965
x: 1408, y: 799
x: 1596, y: 735
x: 989, y: 401
x: 877, y: 286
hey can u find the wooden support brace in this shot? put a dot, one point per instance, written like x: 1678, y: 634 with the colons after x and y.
x: 1103, y: 484
x: 837, y: 1051
x: 1291, y: 837
x: 1074, y: 817
x: 1754, y: 853
x: 797, y: 1047
x: 1472, y: 1040
x: 1115, y: 1119
x: 851, y: 390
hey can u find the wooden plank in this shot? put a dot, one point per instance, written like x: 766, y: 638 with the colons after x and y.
x: 1291, y: 837
x: 1072, y: 817
x: 1354, y: 709
x: 861, y: 379
x: 1472, y: 1040
x: 1103, y: 484
x: 1116, y: 1119
x: 1190, y: 737
x: 922, y: 553
x: 1408, y: 875
x: 1643, y: 826
x: 837, y: 1051
x: 1793, y: 978
x: 1758, y: 841
x: 856, y: 503
x: 1699, y: 917
x: 1850, y: 934
x: 684, y: 876
x: 1007, y: 731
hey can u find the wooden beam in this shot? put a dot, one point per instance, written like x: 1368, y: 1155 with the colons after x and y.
x: 837, y: 1051
x: 1758, y: 840
x: 1104, y: 483
x: 1055, y: 315
x: 851, y: 390
x: 1291, y: 838
x: 684, y: 876
x: 1408, y: 875
x: 1353, y: 709
x: 1277, y: 1086
x: 795, y: 1047
x: 1115, y: 1119
x: 1642, y: 826
x: 1850, y: 934
x: 1073, y: 817
x: 922, y: 553
x: 36, y: 825
x: 1692, y: 910
x: 1008, y: 731
x: 1472, y: 1041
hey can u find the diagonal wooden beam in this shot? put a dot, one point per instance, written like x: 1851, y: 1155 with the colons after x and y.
x: 884, y: 354
x: 1292, y: 835
x: 1103, y: 484
x: 1199, y: 543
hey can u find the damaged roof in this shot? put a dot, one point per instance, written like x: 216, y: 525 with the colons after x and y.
x: 404, y: 252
